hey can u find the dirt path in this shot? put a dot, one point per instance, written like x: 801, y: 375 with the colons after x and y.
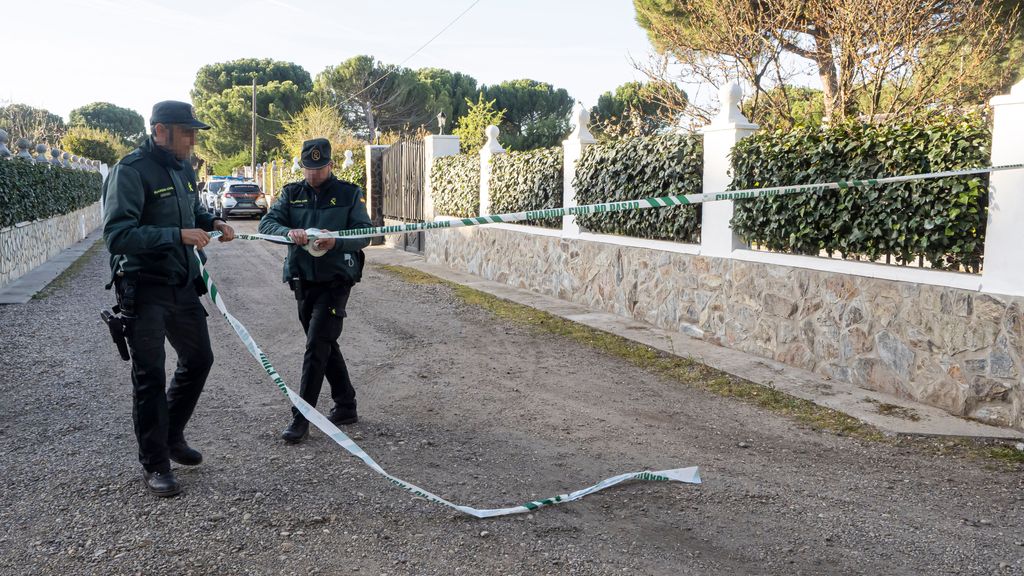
x: 480, y: 411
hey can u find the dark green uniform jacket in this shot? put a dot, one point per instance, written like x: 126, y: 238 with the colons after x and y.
x: 148, y: 198
x: 339, y: 205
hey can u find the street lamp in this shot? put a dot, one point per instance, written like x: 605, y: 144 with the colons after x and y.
x: 441, y: 118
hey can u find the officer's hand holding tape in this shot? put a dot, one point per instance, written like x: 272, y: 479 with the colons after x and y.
x: 298, y: 236
x: 324, y: 243
x: 195, y: 237
x: 228, y: 233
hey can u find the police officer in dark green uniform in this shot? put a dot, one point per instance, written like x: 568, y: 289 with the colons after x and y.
x: 152, y: 219
x: 321, y: 273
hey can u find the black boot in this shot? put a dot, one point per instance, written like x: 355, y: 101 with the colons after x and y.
x: 296, y: 431
x: 342, y: 416
x: 162, y: 484
x: 182, y: 453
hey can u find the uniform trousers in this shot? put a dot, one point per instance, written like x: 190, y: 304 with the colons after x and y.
x: 321, y: 308
x: 160, y: 413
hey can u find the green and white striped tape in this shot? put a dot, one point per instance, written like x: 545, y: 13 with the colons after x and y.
x: 686, y: 475
x: 689, y: 475
x: 639, y: 204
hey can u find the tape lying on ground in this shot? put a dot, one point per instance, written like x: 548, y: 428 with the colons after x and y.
x: 687, y: 475
x: 639, y: 204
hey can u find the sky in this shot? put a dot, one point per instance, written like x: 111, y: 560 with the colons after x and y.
x: 134, y: 53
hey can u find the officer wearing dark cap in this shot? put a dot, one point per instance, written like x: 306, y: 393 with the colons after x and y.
x: 321, y: 273
x: 152, y: 222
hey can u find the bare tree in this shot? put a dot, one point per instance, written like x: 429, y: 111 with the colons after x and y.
x: 873, y: 57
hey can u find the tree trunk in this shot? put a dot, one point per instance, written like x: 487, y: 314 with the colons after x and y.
x: 371, y: 125
x: 829, y: 75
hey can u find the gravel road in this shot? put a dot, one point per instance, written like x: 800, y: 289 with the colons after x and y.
x: 481, y: 411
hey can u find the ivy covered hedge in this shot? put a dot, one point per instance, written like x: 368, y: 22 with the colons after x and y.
x: 532, y: 180
x: 35, y: 192
x: 455, y: 185
x: 942, y: 221
x: 641, y: 168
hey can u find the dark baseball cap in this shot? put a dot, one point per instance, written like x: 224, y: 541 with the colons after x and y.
x: 174, y: 112
x: 316, y: 153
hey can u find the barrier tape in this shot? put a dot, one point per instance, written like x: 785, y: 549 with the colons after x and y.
x: 689, y: 475
x: 639, y: 204
x: 686, y: 475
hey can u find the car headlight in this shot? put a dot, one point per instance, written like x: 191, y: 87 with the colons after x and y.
x: 261, y: 202
x: 229, y: 202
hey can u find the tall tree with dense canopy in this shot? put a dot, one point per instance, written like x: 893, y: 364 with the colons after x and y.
x: 124, y: 123
x: 636, y: 109
x: 536, y: 113
x: 214, y: 79
x: 371, y: 95
x: 448, y: 92
x: 222, y: 96
x: 229, y: 115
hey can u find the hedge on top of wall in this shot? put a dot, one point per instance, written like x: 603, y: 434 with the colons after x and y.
x: 531, y: 180
x: 644, y: 167
x: 942, y: 221
x: 35, y: 192
x: 455, y: 185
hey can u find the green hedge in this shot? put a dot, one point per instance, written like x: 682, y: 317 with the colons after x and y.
x: 455, y: 185
x: 522, y: 181
x: 35, y: 192
x: 642, y: 168
x: 940, y: 220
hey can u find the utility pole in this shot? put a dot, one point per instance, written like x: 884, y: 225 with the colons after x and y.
x: 253, y: 165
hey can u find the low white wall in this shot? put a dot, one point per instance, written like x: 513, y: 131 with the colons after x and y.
x: 25, y: 246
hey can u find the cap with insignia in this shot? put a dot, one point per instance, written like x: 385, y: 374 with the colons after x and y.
x: 174, y: 112
x: 316, y: 153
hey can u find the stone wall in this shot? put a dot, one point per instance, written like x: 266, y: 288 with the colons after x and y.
x: 952, y: 348
x: 26, y: 246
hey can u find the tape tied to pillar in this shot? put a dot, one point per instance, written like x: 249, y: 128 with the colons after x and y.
x: 626, y: 205
x: 689, y: 475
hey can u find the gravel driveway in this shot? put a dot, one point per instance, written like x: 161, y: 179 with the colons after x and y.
x: 478, y: 410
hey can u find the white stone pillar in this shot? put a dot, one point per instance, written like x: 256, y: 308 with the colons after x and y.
x: 572, y: 149
x: 728, y: 128
x: 491, y: 149
x: 435, y: 147
x: 1004, y: 234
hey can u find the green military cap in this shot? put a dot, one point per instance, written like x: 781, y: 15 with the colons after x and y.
x: 316, y: 153
x: 174, y: 112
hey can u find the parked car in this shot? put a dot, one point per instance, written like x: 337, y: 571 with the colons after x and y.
x: 241, y: 199
x: 210, y: 193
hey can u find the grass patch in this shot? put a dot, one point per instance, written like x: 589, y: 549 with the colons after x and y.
x: 886, y: 409
x: 65, y: 277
